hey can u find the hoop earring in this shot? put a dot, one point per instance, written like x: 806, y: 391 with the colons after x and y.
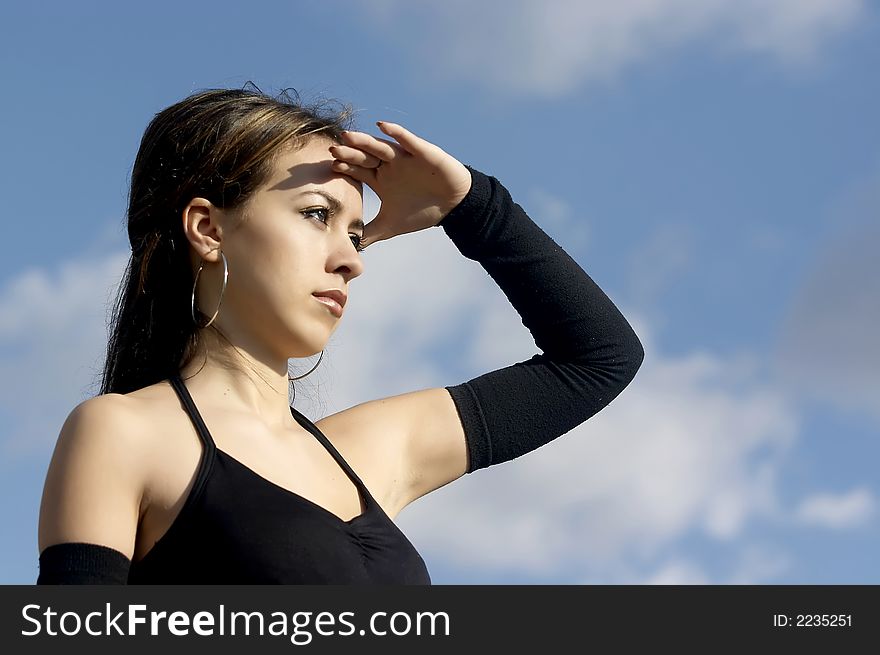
x: 222, y: 291
x: 290, y: 379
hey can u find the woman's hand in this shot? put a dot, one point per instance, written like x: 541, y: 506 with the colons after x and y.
x: 417, y: 182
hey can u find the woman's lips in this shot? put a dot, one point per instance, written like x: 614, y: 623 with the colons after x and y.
x: 331, y: 304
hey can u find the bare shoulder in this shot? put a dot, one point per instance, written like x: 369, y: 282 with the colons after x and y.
x: 94, y: 484
x: 417, y: 438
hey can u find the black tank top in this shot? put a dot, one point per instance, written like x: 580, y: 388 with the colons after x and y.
x: 237, y: 527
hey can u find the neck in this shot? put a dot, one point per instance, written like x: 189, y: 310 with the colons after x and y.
x: 240, y: 380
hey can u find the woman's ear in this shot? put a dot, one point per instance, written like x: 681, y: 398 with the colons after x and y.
x: 202, y: 228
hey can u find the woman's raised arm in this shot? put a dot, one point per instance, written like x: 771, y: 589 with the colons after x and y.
x: 590, y: 353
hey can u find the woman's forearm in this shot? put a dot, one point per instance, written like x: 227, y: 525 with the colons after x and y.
x: 590, y: 351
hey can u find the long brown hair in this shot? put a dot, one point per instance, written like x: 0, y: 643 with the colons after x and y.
x: 219, y: 144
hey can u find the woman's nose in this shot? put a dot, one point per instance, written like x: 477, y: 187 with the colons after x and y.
x: 347, y: 260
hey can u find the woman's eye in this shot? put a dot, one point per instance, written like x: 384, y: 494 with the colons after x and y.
x: 320, y: 213
x: 323, y: 214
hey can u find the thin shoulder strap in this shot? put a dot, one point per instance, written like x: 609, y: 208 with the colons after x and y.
x: 193, y: 412
x: 303, y: 420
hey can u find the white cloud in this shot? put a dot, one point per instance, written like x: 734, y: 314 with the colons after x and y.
x: 550, y: 48
x: 837, y: 511
x: 52, y: 335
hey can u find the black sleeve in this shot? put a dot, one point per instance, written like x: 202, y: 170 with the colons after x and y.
x: 77, y: 563
x: 590, y: 352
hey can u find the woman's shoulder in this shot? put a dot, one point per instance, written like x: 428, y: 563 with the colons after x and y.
x: 97, y: 476
x: 116, y: 409
x: 103, y: 415
x: 135, y: 425
x: 124, y: 423
x: 113, y: 424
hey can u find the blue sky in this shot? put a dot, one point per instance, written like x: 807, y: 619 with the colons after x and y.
x: 713, y: 164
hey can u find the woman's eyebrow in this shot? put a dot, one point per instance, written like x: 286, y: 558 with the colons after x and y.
x: 335, y: 205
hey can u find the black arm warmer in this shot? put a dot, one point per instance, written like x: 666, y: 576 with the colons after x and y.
x: 590, y: 352
x: 76, y: 563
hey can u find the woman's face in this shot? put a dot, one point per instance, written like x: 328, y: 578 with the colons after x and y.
x: 297, y: 238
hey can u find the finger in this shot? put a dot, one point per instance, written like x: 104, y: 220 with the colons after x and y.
x: 355, y: 156
x: 410, y: 142
x: 384, y: 150
x: 359, y: 173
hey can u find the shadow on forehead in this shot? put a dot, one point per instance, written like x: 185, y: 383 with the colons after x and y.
x: 307, y: 173
x: 313, y: 173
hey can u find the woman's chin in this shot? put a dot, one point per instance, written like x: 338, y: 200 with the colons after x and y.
x: 310, y: 347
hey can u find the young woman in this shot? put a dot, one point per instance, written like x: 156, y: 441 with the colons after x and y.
x: 245, y: 226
